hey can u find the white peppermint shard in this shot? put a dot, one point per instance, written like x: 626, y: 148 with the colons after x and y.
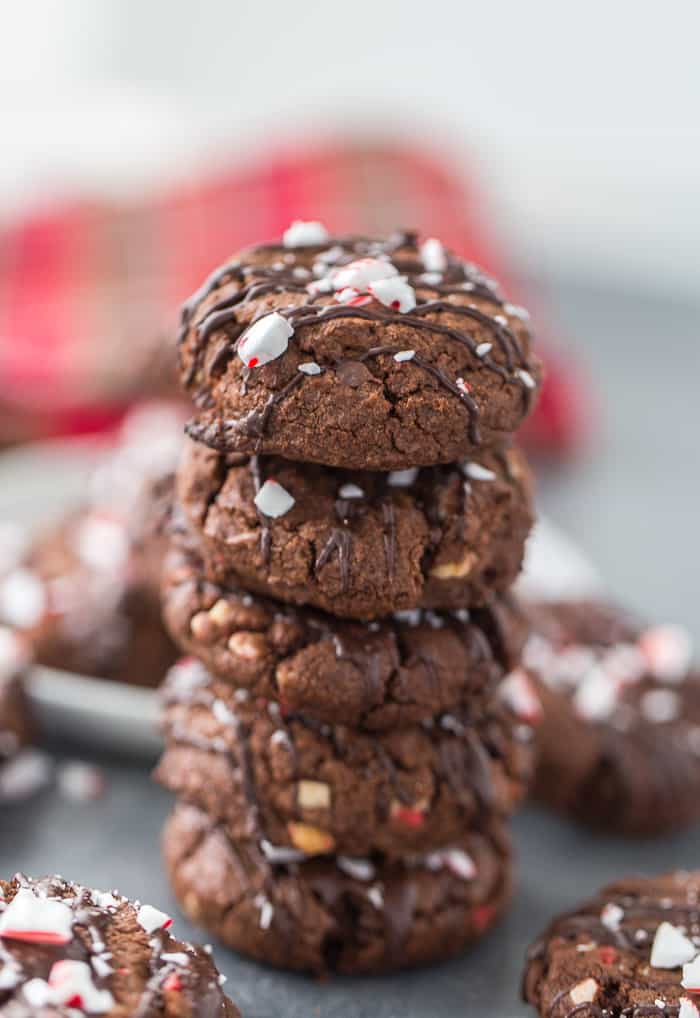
x: 479, y: 473
x: 394, y: 293
x: 402, y: 478
x: 671, y: 948
x: 36, y: 920
x: 351, y: 491
x: 70, y: 984
x: 265, y: 340
x: 303, y: 233
x: 359, y: 274
x: 687, y: 1009
x: 152, y: 919
x: 433, y: 255
x: 273, y: 500
x: 310, y: 368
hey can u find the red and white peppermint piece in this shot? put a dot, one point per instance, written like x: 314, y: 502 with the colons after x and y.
x: 71, y: 985
x: 359, y: 274
x: 518, y: 692
x: 394, y: 293
x: 433, y: 255
x: 265, y: 340
x: 671, y: 948
x: 691, y: 976
x: 36, y: 920
x: 305, y: 233
x: 353, y: 297
x: 152, y: 919
x: 463, y: 386
x: 687, y: 1008
x: 668, y: 651
x: 273, y: 500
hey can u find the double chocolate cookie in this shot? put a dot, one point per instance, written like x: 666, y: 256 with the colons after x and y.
x: 632, y: 951
x: 618, y: 740
x: 376, y: 675
x: 320, y: 789
x: 356, y: 353
x: 337, y: 914
x: 65, y: 949
x: 356, y: 543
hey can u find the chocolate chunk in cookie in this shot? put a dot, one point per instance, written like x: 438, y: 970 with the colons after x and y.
x: 356, y: 353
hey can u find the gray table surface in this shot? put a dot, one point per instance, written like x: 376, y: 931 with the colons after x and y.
x: 633, y: 505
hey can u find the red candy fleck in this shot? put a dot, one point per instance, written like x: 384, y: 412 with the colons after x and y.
x: 483, y: 916
x: 36, y: 936
x: 410, y: 817
x: 253, y: 362
x: 173, y: 983
x: 608, y: 955
x: 75, y: 1001
x: 396, y: 304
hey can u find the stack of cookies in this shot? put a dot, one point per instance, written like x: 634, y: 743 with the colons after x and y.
x: 351, y: 515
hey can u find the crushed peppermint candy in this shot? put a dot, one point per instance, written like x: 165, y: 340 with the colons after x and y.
x: 273, y: 500
x: 351, y: 491
x: 396, y: 293
x: 375, y: 896
x: 310, y: 368
x: 152, y: 919
x: 265, y: 340
x: 671, y: 948
x: 596, y: 696
x: 691, y: 975
x: 660, y: 706
x: 358, y: 275
x: 280, y: 855
x: 611, y: 916
x: 305, y: 233
x: 36, y: 920
x: 457, y: 861
x: 483, y: 349
x: 526, y: 378
x: 24, y: 775
x: 358, y: 869
x: 80, y: 781
x: 267, y: 911
x: 23, y: 598
x: 101, y: 542
x: 70, y: 985
x: 349, y: 295
x: 687, y: 1008
x: 667, y: 650
x: 430, y: 278
x: 479, y: 473
x: 402, y: 478
x: 518, y: 692
x: 433, y: 255
x: 404, y: 355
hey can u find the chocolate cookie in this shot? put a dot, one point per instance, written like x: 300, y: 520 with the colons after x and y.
x: 356, y: 353
x: 321, y: 788
x: 86, y: 599
x: 619, y: 737
x: 376, y: 675
x: 15, y: 724
x: 358, y: 544
x: 65, y: 949
x: 337, y: 914
x: 631, y: 952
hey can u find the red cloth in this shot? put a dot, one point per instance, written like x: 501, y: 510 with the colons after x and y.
x: 87, y: 290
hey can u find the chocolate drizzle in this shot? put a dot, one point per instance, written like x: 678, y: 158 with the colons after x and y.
x: 340, y: 541
x: 258, y: 281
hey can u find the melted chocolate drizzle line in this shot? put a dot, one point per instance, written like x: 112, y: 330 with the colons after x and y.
x: 265, y: 532
x: 340, y: 541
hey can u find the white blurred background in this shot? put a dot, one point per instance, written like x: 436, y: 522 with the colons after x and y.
x: 582, y: 118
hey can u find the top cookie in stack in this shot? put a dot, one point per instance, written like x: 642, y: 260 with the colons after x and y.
x: 355, y: 353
